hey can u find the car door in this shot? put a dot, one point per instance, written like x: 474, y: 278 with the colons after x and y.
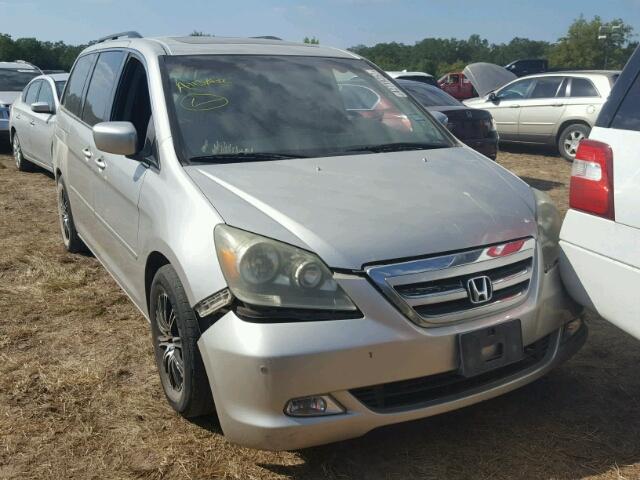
x: 582, y: 99
x: 24, y: 115
x: 43, y: 125
x: 121, y: 178
x: 72, y: 150
x: 542, y: 110
x: 505, y: 108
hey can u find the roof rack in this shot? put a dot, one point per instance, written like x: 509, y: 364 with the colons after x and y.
x: 116, y: 36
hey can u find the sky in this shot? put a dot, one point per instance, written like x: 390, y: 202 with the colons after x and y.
x: 339, y: 23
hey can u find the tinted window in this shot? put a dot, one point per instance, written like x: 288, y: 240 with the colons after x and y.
x: 516, y: 91
x: 546, y: 87
x: 46, y: 95
x: 429, y: 96
x: 60, y: 87
x: 628, y: 115
x: 15, y: 80
x: 73, y: 96
x: 32, y: 92
x: 581, y: 87
x: 97, y: 105
x: 132, y: 102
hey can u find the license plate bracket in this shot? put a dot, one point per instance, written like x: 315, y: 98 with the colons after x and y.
x: 489, y: 348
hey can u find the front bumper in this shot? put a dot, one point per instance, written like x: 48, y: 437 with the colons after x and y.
x: 254, y: 369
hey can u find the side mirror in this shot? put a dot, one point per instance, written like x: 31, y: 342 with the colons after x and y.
x: 119, y: 138
x: 42, y: 107
x: 493, y: 98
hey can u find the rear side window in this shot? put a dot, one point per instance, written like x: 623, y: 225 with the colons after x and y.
x: 628, y: 115
x: 60, y: 87
x: 72, y: 100
x: 97, y: 105
x: 46, y: 94
x: 32, y: 92
x: 546, y: 87
x: 581, y: 87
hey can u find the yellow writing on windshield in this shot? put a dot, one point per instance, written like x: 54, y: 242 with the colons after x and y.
x: 206, y: 82
x: 201, y: 102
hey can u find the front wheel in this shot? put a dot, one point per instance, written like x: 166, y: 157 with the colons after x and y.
x: 570, y: 138
x: 22, y: 164
x: 175, y: 332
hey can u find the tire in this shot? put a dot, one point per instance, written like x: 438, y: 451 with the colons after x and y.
x: 184, y: 379
x: 22, y: 164
x: 70, y: 237
x: 570, y: 137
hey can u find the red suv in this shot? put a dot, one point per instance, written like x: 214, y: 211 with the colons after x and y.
x: 457, y: 85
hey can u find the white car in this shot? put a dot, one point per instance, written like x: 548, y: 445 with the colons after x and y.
x: 600, y: 237
x: 13, y: 78
x: 415, y: 76
x: 32, y: 121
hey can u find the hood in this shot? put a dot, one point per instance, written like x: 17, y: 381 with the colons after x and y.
x: 486, y: 77
x: 7, y: 98
x: 360, y: 209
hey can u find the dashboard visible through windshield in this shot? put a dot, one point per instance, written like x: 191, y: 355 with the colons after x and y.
x: 256, y: 107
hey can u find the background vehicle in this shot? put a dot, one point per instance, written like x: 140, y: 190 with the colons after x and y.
x: 528, y: 66
x: 271, y: 250
x: 474, y: 127
x: 600, y: 238
x: 33, y: 118
x: 457, y: 85
x: 549, y: 109
x: 415, y: 76
x: 13, y: 78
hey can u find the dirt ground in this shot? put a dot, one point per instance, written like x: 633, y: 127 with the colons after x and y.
x: 80, y: 396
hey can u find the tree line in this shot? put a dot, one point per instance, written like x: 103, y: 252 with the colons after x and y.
x: 587, y: 44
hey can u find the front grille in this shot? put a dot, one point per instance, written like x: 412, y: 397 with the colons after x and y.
x: 433, y: 389
x: 435, y: 290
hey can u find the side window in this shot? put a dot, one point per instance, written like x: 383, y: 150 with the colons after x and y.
x: 46, y: 95
x: 516, y: 91
x: 72, y: 100
x: 581, y: 87
x: 628, y: 115
x: 32, y: 93
x: 97, y: 105
x: 546, y: 87
x: 132, y: 103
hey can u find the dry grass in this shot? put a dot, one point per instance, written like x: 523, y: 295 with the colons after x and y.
x: 80, y: 397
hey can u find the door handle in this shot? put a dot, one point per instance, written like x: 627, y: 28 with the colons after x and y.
x: 32, y: 123
x: 87, y: 153
x: 100, y: 163
x: 514, y: 106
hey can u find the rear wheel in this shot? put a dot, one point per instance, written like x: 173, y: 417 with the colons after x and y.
x: 570, y: 138
x: 175, y: 333
x: 70, y: 236
x: 22, y: 164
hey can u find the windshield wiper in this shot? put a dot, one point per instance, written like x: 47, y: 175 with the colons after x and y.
x: 243, y: 157
x: 397, y: 147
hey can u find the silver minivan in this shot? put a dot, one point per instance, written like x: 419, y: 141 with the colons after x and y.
x: 317, y: 256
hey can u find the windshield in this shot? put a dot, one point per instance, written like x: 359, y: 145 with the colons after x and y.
x: 429, y: 96
x: 249, y: 107
x: 15, y: 80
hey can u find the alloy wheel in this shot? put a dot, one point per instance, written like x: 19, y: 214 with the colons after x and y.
x: 65, y: 215
x: 571, y: 142
x: 169, y: 343
x: 17, y: 151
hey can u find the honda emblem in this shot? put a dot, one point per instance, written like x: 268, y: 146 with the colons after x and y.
x: 479, y: 289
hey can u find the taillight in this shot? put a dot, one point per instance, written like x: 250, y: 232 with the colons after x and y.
x: 591, y: 188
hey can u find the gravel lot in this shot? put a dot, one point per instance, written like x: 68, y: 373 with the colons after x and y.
x: 80, y: 397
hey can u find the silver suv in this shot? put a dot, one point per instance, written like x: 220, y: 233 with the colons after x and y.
x: 556, y: 109
x: 314, y: 264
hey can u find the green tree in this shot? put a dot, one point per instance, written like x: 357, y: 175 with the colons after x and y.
x: 311, y: 40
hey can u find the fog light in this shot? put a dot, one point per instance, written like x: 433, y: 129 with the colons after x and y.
x: 215, y: 302
x: 312, y: 406
x: 571, y: 328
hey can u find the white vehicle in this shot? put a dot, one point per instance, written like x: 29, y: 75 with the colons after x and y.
x: 13, y: 78
x: 415, y: 76
x: 32, y: 121
x: 600, y: 238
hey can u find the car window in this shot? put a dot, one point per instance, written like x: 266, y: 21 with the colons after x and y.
x: 72, y: 100
x: 46, y: 94
x: 32, y: 93
x: 429, y: 96
x: 581, y: 87
x: 60, y: 87
x: 516, y: 91
x: 546, y: 87
x: 628, y: 115
x: 454, y: 79
x: 97, y: 105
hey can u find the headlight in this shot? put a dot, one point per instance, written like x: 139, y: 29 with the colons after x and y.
x: 266, y: 273
x: 549, y: 223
